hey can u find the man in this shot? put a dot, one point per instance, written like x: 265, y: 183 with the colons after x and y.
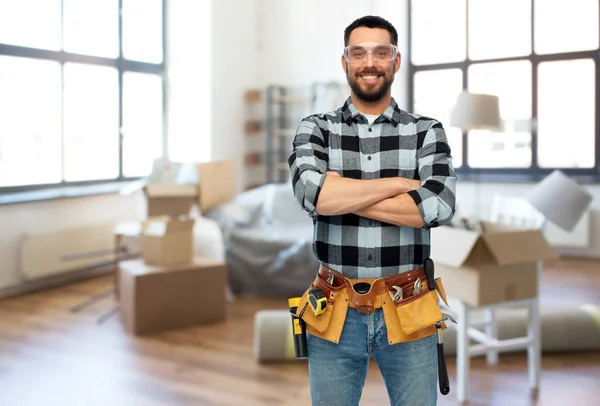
x: 374, y: 179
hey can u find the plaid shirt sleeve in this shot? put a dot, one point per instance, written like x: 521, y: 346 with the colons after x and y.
x: 436, y: 197
x: 308, y: 163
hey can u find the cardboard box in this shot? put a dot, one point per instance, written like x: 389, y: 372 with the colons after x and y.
x: 167, y: 241
x: 207, y: 184
x: 154, y: 299
x: 495, y: 265
x: 217, y: 184
x: 170, y: 199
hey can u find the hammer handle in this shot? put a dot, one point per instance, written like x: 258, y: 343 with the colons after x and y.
x: 429, y: 273
x: 442, y: 370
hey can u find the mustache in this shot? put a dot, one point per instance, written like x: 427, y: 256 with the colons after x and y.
x: 370, y: 72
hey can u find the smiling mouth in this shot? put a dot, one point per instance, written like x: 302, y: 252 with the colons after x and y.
x: 370, y: 78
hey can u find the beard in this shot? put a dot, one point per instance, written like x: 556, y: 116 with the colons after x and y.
x: 369, y: 93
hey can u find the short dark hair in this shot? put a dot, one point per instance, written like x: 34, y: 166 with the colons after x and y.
x: 371, y: 22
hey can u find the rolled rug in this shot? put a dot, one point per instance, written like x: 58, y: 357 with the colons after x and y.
x: 273, y: 339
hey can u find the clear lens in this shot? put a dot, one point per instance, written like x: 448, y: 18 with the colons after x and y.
x: 358, y: 53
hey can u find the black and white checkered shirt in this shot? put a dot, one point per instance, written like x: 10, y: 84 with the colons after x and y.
x: 397, y: 143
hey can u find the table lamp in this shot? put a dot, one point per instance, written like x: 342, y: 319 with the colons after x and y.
x: 474, y: 111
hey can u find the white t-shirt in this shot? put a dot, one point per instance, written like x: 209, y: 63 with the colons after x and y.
x: 371, y: 117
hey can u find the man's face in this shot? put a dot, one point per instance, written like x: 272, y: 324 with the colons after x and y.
x: 371, y: 79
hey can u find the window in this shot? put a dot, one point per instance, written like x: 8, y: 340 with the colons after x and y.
x: 539, y: 57
x: 81, y: 91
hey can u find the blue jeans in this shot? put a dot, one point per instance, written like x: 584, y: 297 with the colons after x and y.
x: 337, y: 371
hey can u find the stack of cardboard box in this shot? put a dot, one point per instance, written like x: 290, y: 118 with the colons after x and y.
x: 169, y: 287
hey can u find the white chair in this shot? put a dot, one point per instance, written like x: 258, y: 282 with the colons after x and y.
x: 510, y: 211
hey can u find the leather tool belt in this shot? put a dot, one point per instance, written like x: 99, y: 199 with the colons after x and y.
x: 363, y: 293
x: 407, y: 316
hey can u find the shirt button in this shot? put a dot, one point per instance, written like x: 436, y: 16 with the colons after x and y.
x: 370, y: 130
x: 369, y: 157
x: 370, y: 257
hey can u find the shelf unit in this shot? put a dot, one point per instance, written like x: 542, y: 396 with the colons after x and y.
x: 254, y: 139
x: 286, y: 107
x: 270, y: 131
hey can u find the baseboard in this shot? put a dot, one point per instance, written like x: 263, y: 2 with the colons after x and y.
x: 577, y: 253
x: 55, y: 281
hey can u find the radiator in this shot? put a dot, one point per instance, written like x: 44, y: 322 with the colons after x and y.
x: 49, y: 254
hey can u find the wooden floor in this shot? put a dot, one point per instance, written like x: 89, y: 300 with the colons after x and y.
x: 52, y: 356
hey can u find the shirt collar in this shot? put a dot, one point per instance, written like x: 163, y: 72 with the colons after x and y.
x: 391, y: 114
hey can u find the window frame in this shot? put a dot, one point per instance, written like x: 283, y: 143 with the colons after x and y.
x: 122, y: 65
x: 534, y: 172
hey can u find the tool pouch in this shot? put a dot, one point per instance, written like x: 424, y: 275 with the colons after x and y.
x: 418, y: 312
x: 413, y: 317
x: 330, y: 323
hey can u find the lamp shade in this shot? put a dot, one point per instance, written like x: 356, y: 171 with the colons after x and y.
x: 560, y: 199
x: 474, y: 111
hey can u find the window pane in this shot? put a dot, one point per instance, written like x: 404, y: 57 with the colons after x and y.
x: 142, y: 30
x: 91, y: 27
x: 566, y: 142
x: 30, y: 141
x: 30, y: 23
x: 435, y: 93
x: 565, y: 26
x: 91, y: 126
x: 511, y: 148
x: 488, y: 33
x: 438, y: 31
x: 142, y: 122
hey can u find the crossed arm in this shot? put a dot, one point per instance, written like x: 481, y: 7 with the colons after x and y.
x: 404, y: 202
x: 384, y: 200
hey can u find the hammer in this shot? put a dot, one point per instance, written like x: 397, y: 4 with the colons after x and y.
x: 442, y: 370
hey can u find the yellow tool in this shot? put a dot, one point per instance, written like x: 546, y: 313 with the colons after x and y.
x: 298, y: 330
x: 317, y: 301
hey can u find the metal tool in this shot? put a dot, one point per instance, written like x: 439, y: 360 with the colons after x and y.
x: 417, y: 286
x: 398, y: 295
x: 330, y: 279
x: 442, y: 370
x: 446, y: 317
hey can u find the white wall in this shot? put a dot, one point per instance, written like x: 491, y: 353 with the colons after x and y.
x: 189, y: 68
x: 235, y: 66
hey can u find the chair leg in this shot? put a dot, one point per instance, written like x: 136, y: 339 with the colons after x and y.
x: 491, y: 330
x: 534, y: 348
x: 462, y: 353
